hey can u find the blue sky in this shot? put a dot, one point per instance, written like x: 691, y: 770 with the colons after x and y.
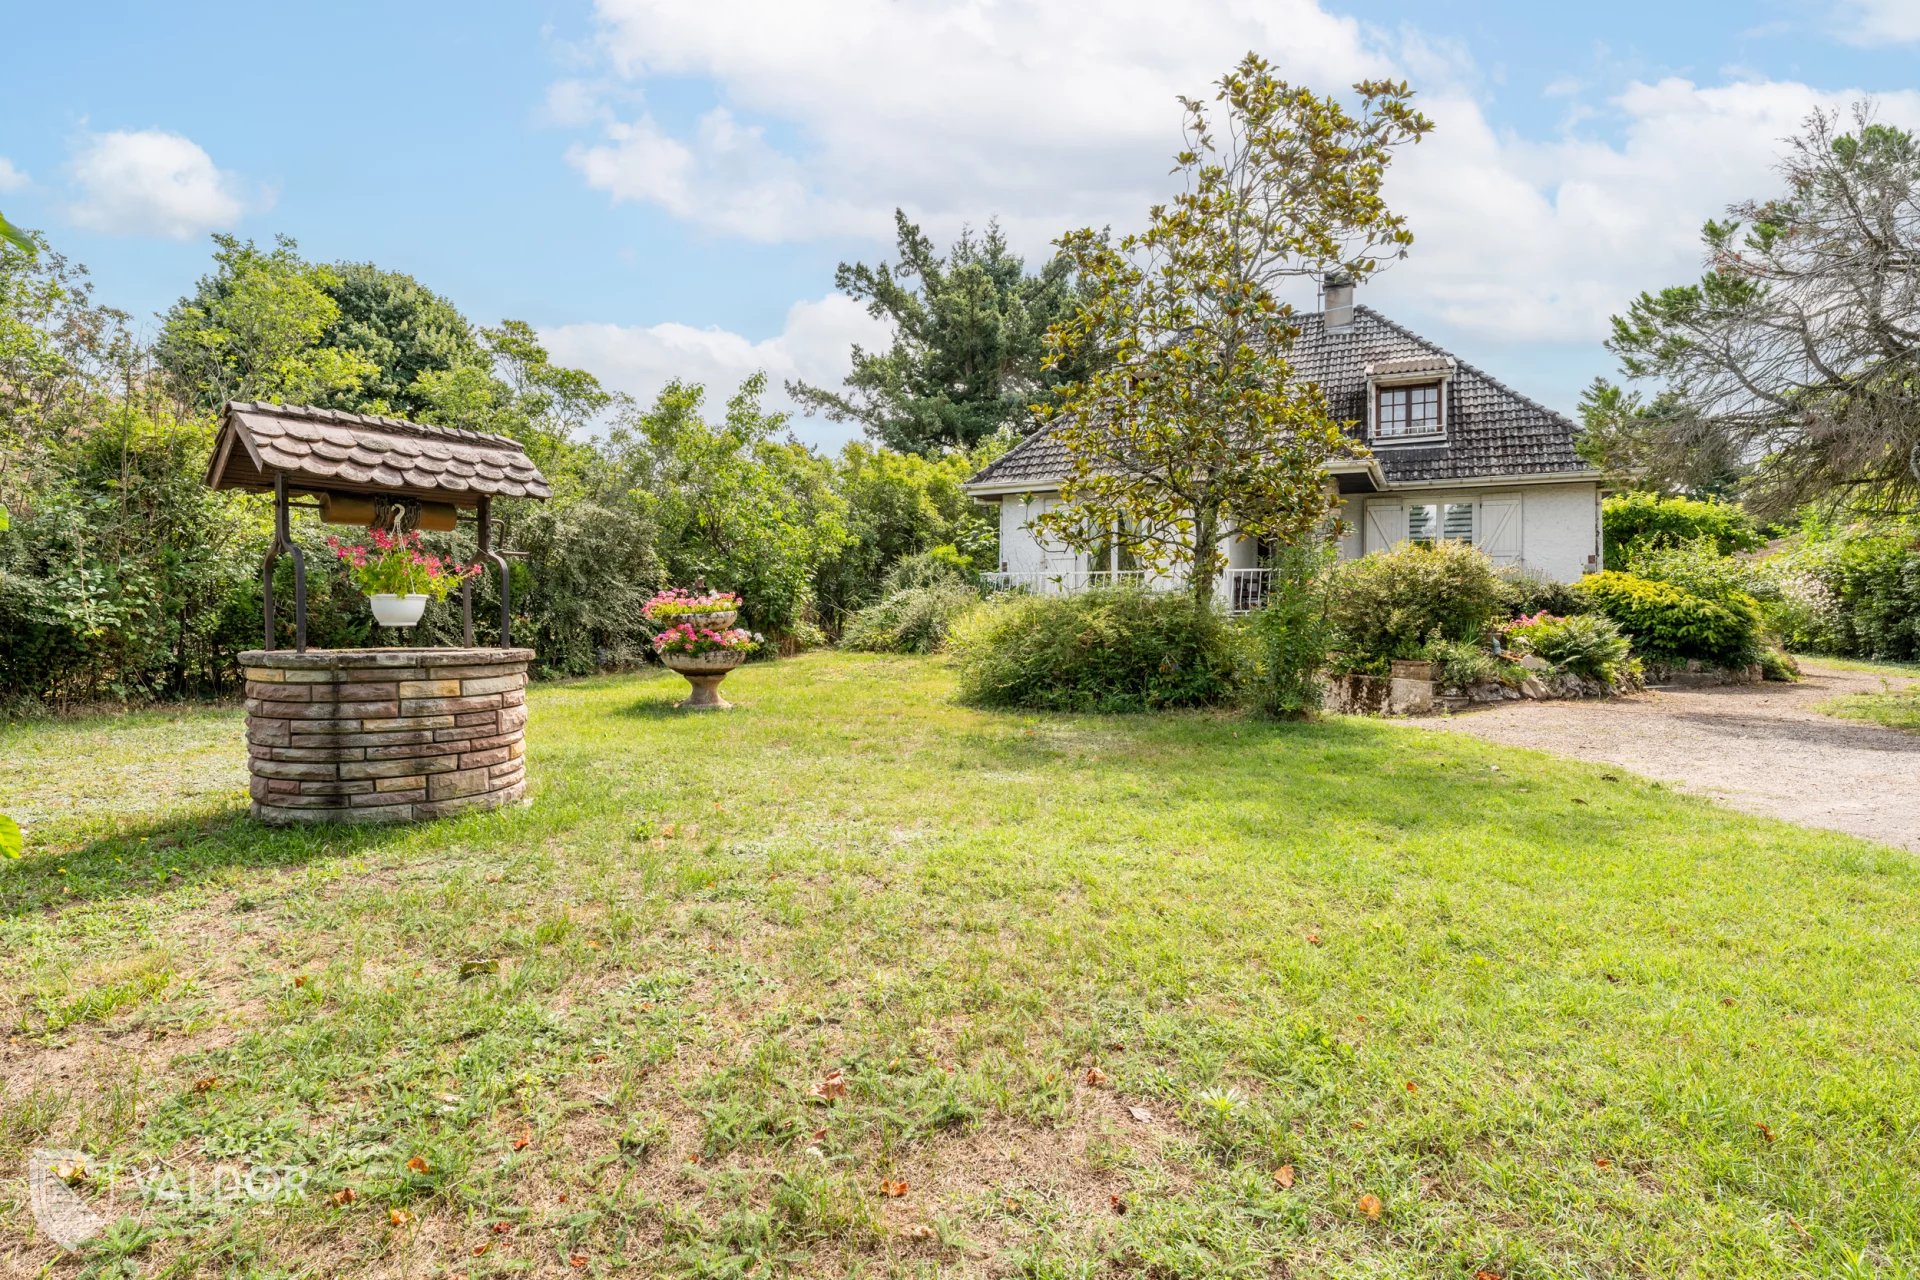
x: 664, y: 188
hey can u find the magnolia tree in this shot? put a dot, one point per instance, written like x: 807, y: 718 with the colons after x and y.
x: 1191, y: 423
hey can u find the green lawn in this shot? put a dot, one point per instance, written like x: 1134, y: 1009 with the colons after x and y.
x: 1896, y: 705
x: 1089, y: 983
x: 1893, y: 708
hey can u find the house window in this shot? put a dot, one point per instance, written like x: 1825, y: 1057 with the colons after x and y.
x: 1440, y: 522
x: 1407, y: 411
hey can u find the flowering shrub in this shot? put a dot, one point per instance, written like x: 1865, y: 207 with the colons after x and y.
x: 395, y: 565
x: 676, y: 603
x: 687, y: 640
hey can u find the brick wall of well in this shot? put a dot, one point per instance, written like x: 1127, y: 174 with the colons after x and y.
x: 385, y: 735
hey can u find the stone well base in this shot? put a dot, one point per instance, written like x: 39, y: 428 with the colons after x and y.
x: 385, y: 735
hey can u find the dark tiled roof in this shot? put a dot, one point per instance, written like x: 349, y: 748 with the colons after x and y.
x: 328, y: 449
x: 1492, y: 430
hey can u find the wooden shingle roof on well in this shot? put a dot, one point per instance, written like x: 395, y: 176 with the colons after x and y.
x: 340, y: 452
x: 1492, y: 430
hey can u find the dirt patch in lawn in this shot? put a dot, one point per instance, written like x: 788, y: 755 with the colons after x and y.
x: 1760, y: 748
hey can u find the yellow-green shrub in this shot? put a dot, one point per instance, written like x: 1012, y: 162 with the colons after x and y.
x: 1668, y: 624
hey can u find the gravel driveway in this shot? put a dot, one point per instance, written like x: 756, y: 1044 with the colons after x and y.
x: 1761, y: 748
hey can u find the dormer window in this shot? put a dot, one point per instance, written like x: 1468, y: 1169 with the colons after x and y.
x: 1407, y: 411
x: 1407, y: 399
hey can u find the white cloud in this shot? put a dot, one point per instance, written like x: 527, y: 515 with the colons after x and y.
x: 1872, y: 22
x: 956, y: 111
x: 813, y: 346
x: 827, y: 118
x: 155, y: 183
x: 11, y: 179
x: 1541, y: 241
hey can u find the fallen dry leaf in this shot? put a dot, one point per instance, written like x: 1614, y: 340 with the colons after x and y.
x: 522, y: 1139
x: 398, y: 1217
x: 832, y: 1085
x: 918, y: 1231
x: 1412, y: 1087
x: 1116, y: 1204
x: 819, y: 1135
x: 205, y: 1084
x: 418, y: 1165
x: 1371, y: 1206
x: 1602, y: 1162
x: 1141, y: 1114
x: 1765, y: 1132
x: 480, y: 1249
x: 1484, y: 1274
x: 1313, y: 939
x: 501, y: 1228
x: 576, y: 1259
x: 666, y: 832
x: 1283, y: 1176
x: 345, y: 1195
x: 892, y: 1190
x: 1096, y: 1077
x: 300, y: 981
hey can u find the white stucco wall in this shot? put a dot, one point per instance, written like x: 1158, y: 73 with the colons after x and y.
x: 1021, y: 550
x: 1557, y: 532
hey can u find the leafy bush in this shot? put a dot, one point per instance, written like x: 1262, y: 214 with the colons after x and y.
x: 1585, y: 644
x: 1287, y: 638
x: 1392, y: 604
x: 1667, y: 623
x: 944, y: 565
x: 1634, y: 522
x: 1525, y: 592
x: 914, y: 620
x: 1464, y: 663
x: 1699, y: 568
x: 1114, y: 649
x: 1778, y: 665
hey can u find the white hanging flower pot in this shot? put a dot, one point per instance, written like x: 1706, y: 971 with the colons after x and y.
x: 397, y: 611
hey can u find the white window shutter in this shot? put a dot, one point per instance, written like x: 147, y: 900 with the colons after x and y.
x: 1500, y: 526
x: 1386, y: 525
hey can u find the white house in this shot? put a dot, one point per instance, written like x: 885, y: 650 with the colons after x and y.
x: 1454, y: 455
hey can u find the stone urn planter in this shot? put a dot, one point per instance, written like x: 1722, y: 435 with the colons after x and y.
x: 698, y: 640
x: 390, y: 610
x: 704, y: 671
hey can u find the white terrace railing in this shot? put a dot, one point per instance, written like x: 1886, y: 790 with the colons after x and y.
x: 1239, y: 590
x: 1072, y: 581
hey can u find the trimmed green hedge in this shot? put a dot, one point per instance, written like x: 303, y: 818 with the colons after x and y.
x: 1119, y: 649
x: 1668, y: 624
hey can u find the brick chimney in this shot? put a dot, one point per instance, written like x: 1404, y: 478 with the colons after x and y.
x: 1337, y: 304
